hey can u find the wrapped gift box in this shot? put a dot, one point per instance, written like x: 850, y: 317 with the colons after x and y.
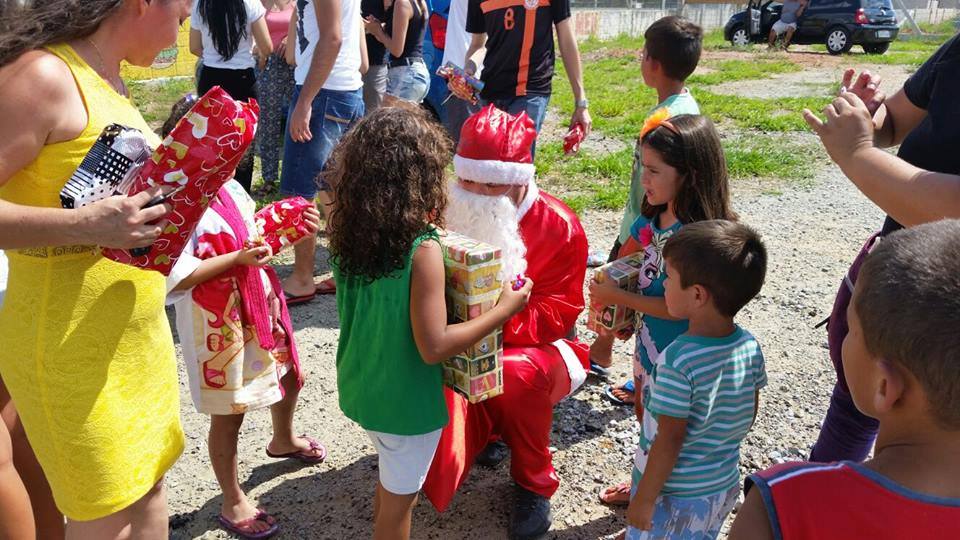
x: 200, y: 155
x: 281, y: 223
x: 472, y: 266
x: 473, y: 288
x: 625, y: 273
x: 111, y: 164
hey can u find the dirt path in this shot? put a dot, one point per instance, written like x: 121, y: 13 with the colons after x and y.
x: 811, y: 234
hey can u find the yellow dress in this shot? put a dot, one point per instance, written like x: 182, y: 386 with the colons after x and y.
x: 85, y: 345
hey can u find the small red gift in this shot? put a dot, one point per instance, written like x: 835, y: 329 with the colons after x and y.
x: 199, y: 156
x: 280, y: 224
x: 572, y: 140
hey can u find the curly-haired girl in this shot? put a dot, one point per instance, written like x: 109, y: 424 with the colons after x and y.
x: 388, y: 179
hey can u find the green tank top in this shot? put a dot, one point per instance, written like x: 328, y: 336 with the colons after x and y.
x: 384, y: 383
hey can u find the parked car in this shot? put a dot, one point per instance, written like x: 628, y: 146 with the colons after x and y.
x: 838, y: 24
x: 433, y: 44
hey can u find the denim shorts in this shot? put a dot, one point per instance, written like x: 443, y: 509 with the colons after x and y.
x: 409, y: 83
x: 333, y: 113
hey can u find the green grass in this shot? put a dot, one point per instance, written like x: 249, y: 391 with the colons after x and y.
x: 740, y: 70
x: 154, y: 98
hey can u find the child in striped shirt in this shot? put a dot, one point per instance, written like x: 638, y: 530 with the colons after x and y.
x: 701, y: 398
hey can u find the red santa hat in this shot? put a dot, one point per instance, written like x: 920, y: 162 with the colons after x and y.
x: 495, y: 148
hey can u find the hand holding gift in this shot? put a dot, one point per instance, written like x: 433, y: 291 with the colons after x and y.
x: 286, y: 222
x: 199, y: 156
x: 572, y: 140
x: 460, y: 83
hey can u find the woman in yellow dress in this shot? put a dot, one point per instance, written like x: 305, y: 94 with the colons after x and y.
x: 85, y: 348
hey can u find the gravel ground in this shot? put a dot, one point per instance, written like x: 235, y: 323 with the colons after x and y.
x: 812, y: 233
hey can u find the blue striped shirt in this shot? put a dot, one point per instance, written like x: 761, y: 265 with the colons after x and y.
x: 712, y: 383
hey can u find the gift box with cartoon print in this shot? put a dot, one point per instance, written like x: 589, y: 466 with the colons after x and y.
x: 473, y: 288
x: 625, y: 272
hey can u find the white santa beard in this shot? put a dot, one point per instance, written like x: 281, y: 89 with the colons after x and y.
x: 491, y: 219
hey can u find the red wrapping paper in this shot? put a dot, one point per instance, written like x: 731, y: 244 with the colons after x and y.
x: 201, y: 154
x: 281, y: 223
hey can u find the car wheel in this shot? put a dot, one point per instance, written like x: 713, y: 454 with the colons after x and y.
x: 739, y: 36
x: 876, y: 48
x: 838, y: 40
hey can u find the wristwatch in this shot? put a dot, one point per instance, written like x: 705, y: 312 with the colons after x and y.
x: 583, y: 103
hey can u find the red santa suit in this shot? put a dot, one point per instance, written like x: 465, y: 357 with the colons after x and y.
x: 540, y: 366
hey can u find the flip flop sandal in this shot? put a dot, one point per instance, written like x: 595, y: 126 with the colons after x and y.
x: 596, y: 258
x: 293, y: 300
x: 618, y: 495
x: 242, y: 528
x: 304, y: 456
x: 627, y: 387
x: 327, y: 286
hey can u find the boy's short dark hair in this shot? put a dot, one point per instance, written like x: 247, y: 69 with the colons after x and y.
x: 908, y: 303
x: 725, y: 257
x: 675, y: 42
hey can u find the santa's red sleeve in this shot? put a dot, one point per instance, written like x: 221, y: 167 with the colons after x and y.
x: 557, y: 262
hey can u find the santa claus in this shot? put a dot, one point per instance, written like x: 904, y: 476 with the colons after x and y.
x: 496, y: 200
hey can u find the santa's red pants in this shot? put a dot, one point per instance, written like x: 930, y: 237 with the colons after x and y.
x: 535, y: 379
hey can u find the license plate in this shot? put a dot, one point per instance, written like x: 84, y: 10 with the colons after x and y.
x: 883, y: 33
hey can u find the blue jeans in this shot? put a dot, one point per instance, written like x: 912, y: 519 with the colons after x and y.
x: 333, y: 113
x: 534, y: 105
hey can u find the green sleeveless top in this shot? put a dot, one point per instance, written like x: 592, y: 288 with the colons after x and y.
x: 384, y: 383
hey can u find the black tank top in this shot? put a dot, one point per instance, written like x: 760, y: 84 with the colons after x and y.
x: 413, y: 45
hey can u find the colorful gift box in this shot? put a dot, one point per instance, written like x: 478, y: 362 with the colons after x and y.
x: 472, y: 266
x: 200, y: 155
x: 281, y: 223
x: 625, y: 273
x: 473, y: 288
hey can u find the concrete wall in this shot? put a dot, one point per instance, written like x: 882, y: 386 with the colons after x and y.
x: 609, y: 23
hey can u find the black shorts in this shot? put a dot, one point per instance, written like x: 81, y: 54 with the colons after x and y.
x: 241, y: 84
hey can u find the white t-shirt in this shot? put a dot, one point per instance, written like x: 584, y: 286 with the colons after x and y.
x: 345, y: 75
x: 243, y: 58
x: 458, y: 39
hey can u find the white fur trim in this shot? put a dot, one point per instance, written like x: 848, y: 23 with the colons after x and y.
x: 533, y: 193
x: 574, y: 367
x: 493, y: 172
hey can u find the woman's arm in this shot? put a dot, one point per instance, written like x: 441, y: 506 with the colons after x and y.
x: 290, y: 52
x: 908, y: 194
x: 261, y: 37
x: 40, y: 105
x: 436, y: 340
x: 402, y: 13
x: 364, y: 57
x: 196, y: 43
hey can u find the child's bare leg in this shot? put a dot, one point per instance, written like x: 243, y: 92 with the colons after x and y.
x: 224, y: 432
x: 393, y: 514
x: 284, y: 441
x: 601, y: 350
x: 145, y: 519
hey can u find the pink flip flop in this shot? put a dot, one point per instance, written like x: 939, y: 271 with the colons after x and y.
x: 304, y: 456
x: 242, y: 528
x: 327, y: 286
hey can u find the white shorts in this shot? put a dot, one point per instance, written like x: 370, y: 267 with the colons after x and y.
x: 404, y: 460
x: 780, y: 27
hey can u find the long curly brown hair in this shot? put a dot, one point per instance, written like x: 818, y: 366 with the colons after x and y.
x: 388, y: 177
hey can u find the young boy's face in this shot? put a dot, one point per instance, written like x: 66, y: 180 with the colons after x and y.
x: 680, y: 302
x: 858, y: 366
x: 646, y: 69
